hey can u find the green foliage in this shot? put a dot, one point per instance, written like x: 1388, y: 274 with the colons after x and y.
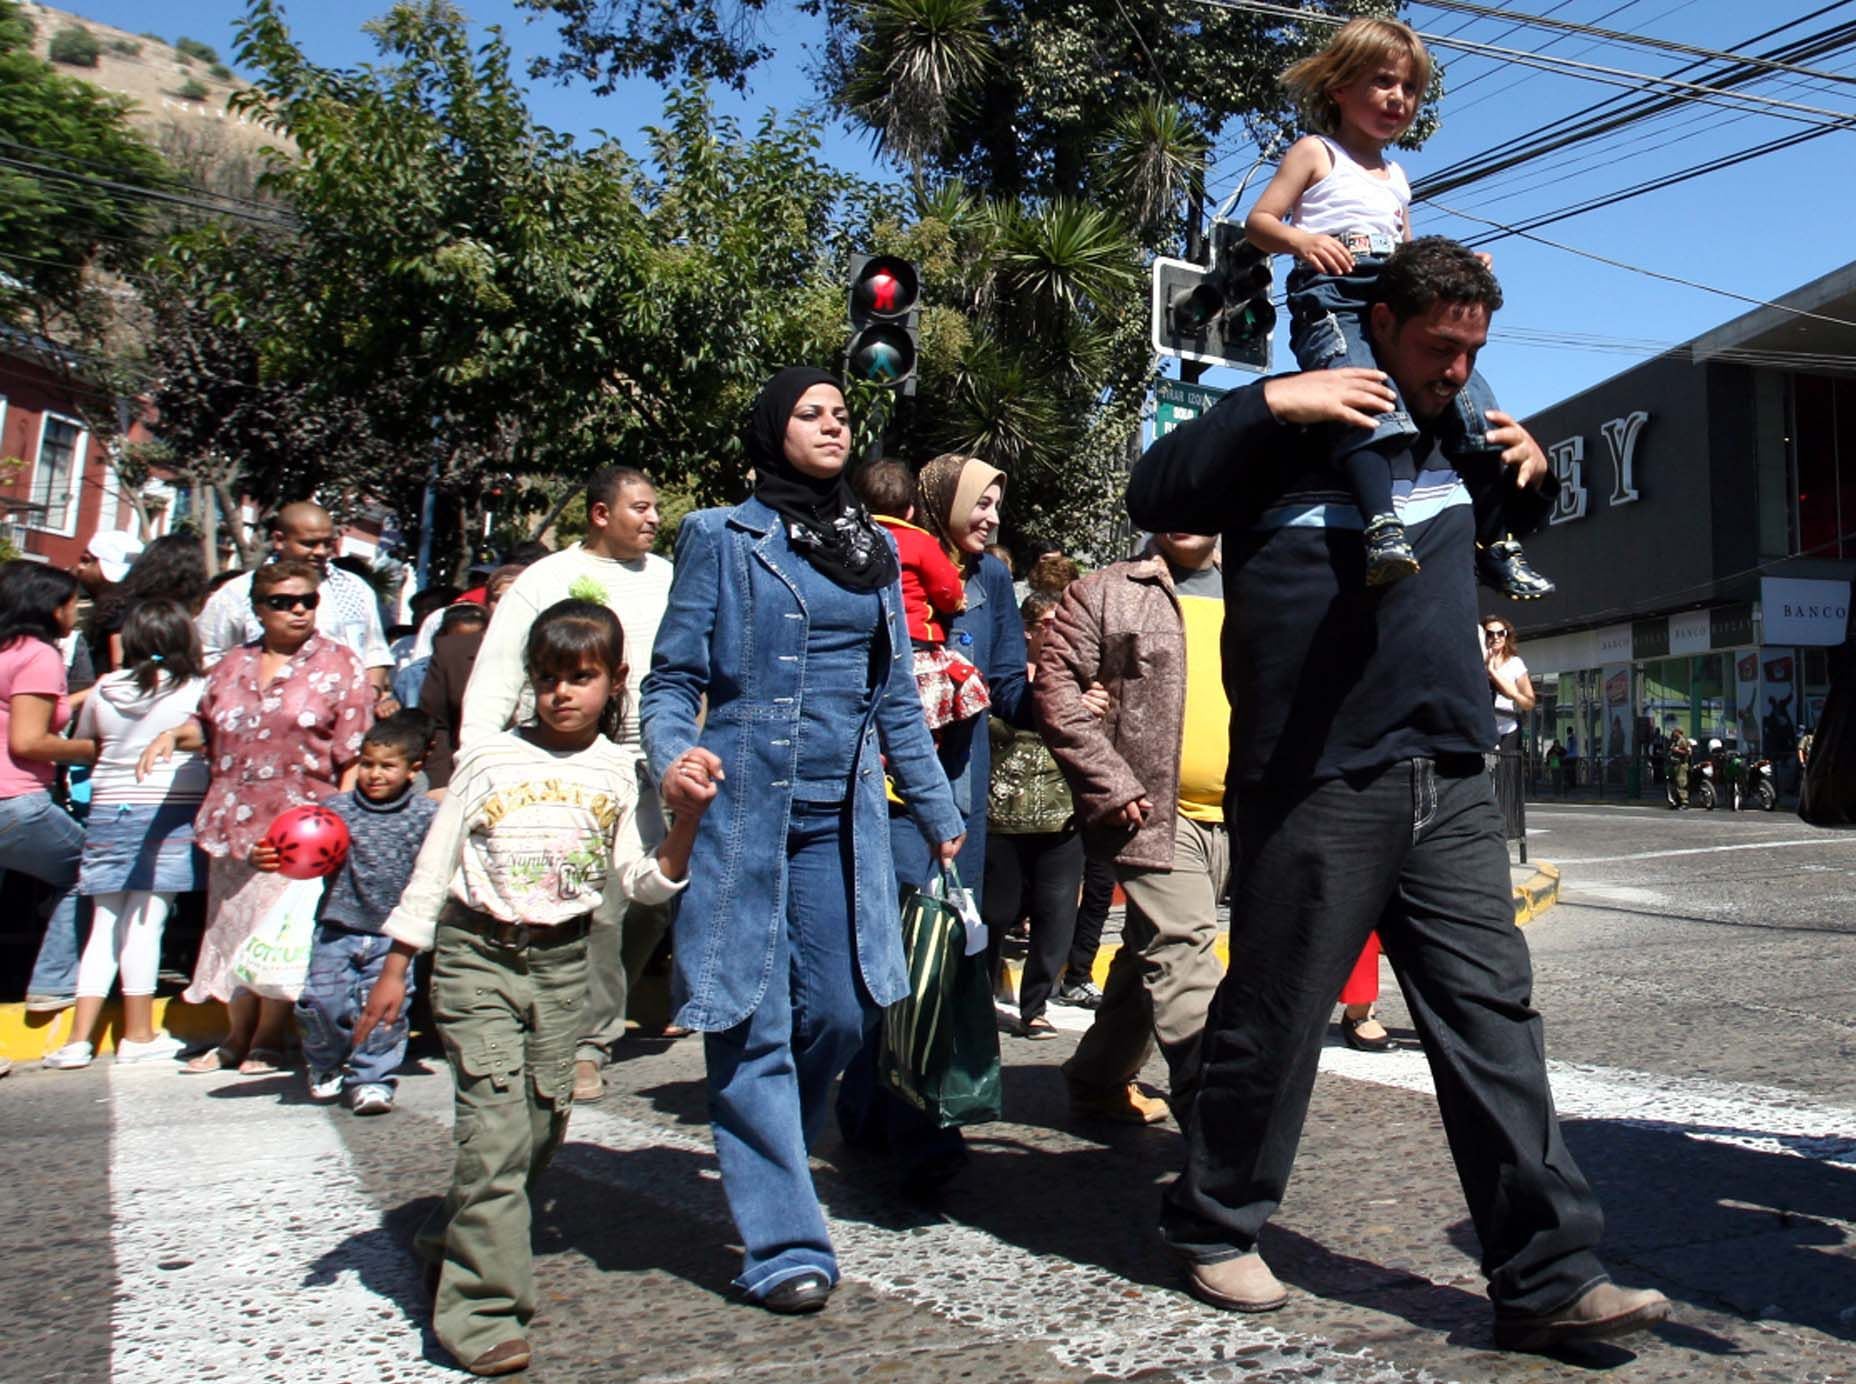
x: 193, y: 89
x: 127, y: 47
x: 220, y: 72
x: 75, y: 46
x: 194, y: 48
x: 507, y: 308
x: 56, y: 225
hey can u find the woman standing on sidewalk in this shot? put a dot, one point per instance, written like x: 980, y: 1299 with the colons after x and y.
x: 38, y: 608
x: 785, y: 616
x: 1514, y: 697
x: 282, y: 719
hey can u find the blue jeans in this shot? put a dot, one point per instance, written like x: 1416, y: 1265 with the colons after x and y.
x: 771, y: 1074
x: 1414, y: 850
x: 343, y: 967
x: 39, y: 838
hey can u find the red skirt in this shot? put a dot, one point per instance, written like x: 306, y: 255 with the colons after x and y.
x: 951, y: 688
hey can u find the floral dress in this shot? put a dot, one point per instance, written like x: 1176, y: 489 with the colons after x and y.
x: 271, y: 747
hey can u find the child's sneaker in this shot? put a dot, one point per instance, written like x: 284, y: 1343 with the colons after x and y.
x: 1503, y: 566
x: 163, y: 1047
x: 371, y: 1100
x: 1389, y: 557
x: 324, y: 1085
x: 70, y: 1057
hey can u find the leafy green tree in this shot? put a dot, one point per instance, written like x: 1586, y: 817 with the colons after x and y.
x: 530, y: 309
x: 60, y: 139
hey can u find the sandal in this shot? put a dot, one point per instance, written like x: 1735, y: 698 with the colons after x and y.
x: 219, y: 1059
x: 1039, y: 1027
x: 262, y: 1062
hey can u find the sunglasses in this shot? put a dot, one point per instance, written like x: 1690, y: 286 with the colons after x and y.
x: 282, y: 601
x: 1494, y: 636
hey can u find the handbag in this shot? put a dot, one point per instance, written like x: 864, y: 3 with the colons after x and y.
x: 941, y: 1042
x: 274, y: 961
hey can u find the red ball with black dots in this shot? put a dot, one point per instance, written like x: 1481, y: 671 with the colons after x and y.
x: 311, y: 842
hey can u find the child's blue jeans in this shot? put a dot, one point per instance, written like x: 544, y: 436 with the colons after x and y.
x: 1327, y: 328
x: 343, y: 966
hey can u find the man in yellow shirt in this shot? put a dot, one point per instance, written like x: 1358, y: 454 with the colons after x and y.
x: 1149, y: 787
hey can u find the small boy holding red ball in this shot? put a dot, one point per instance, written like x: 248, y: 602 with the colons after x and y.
x: 387, y: 822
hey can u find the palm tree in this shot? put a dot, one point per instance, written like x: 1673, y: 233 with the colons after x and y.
x: 913, y: 62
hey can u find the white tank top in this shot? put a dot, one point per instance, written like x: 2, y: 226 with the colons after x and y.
x: 1351, y: 199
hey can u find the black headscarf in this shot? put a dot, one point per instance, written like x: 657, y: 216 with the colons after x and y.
x: 825, y: 522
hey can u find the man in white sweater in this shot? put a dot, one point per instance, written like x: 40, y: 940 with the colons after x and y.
x: 615, y: 566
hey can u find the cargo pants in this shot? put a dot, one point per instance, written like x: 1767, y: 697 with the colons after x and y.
x: 510, y: 1017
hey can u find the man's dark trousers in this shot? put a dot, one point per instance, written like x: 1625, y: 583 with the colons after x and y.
x: 1415, y: 850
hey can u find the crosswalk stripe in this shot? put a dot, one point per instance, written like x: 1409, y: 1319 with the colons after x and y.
x: 246, y: 1248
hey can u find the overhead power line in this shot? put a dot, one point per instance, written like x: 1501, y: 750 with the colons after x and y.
x: 1536, y: 21
x: 150, y: 194
x: 1604, y: 75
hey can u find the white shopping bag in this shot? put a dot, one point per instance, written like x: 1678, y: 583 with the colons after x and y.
x: 274, y: 961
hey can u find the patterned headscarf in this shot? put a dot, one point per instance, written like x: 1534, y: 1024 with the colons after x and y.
x: 945, y: 493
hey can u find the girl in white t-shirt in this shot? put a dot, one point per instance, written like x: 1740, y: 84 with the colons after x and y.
x: 138, y: 851
x: 1508, y: 679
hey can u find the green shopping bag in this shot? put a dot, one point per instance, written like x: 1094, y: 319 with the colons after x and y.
x: 941, y: 1043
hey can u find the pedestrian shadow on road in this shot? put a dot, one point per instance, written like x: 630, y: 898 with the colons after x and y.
x: 1729, y: 1228
x: 382, y: 1259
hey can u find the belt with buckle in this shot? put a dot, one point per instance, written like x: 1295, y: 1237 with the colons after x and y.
x: 1375, y: 243
x: 517, y: 936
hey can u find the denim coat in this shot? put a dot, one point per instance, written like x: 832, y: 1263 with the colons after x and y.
x: 990, y: 635
x: 736, y: 630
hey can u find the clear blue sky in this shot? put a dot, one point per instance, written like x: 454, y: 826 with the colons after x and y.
x: 1760, y: 229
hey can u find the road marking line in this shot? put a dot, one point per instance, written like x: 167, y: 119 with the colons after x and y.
x: 1764, y: 1118
x: 1825, y: 840
x: 246, y: 1248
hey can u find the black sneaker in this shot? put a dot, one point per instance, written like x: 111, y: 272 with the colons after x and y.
x: 1389, y: 557
x: 1503, y: 566
x: 1082, y: 995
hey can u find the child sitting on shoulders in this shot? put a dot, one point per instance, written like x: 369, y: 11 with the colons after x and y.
x: 387, y: 822
x: 1341, y: 207
x: 933, y: 592
x: 516, y: 865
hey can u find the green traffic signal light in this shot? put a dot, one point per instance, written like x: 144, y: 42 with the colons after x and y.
x: 881, y: 354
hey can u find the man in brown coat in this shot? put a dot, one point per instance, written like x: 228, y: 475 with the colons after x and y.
x: 1149, y: 787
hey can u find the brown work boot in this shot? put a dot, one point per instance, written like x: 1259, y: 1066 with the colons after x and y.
x: 1597, y: 1314
x: 1130, y: 1104
x: 507, y: 1357
x: 589, y: 1084
x: 1243, y: 1284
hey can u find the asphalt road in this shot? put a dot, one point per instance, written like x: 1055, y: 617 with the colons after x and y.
x: 1699, y: 983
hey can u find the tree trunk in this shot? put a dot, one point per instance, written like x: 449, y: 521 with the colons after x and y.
x: 206, y: 505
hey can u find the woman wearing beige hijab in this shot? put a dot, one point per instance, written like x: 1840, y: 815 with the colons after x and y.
x: 958, y: 499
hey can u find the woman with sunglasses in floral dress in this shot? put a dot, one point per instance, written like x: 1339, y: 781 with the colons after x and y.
x: 281, y: 721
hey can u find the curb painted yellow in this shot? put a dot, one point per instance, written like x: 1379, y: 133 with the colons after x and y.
x: 28, y: 1037
x: 1538, y: 895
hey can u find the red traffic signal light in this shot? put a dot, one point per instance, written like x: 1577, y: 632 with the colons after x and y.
x: 885, y: 292
x: 884, y: 288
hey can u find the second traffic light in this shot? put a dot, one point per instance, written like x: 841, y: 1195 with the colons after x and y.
x: 1216, y: 315
x: 885, y: 301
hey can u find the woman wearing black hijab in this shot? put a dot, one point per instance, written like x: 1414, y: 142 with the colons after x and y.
x: 786, y: 615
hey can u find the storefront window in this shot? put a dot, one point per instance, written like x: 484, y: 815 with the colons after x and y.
x: 1710, y: 695
x: 1666, y: 692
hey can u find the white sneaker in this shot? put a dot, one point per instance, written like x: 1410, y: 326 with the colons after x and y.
x: 371, y: 1100
x: 163, y: 1047
x: 70, y: 1057
x: 325, y: 1085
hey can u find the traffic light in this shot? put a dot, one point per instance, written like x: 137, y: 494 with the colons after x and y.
x: 884, y: 308
x: 1221, y: 314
